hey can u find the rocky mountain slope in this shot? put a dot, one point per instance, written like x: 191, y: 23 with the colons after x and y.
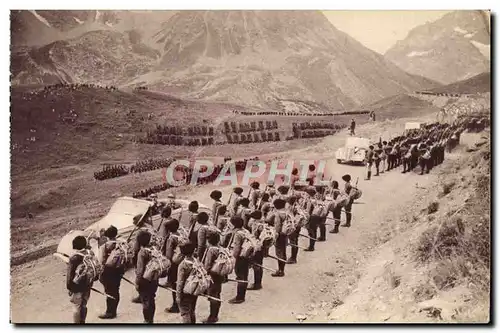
x: 455, y: 47
x: 263, y: 59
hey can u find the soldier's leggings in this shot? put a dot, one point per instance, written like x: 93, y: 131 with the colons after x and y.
x: 294, y: 240
x: 187, y: 306
x: 241, y: 269
x: 322, y: 228
x: 280, y: 250
x: 312, y: 230
x: 214, y: 290
x: 258, y: 272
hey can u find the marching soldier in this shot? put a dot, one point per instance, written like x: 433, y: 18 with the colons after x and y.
x: 320, y: 196
x: 187, y: 302
x: 265, y: 206
x: 233, y: 205
x: 348, y: 207
x: 244, y: 211
x: 79, y: 292
x: 216, y: 196
x: 276, y: 219
x: 241, y: 266
x: 378, y: 158
x: 294, y: 237
x: 255, y: 194
x: 147, y: 289
x: 369, y: 162
x: 337, y: 211
x: 171, y: 246
x: 199, y: 234
x: 216, y: 286
x: 256, y: 226
x: 111, y: 276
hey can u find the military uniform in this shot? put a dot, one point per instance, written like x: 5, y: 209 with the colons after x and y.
x: 147, y: 289
x: 111, y: 279
x: 216, y: 286
x: 79, y: 292
x: 187, y: 302
x: 276, y: 219
x: 241, y: 266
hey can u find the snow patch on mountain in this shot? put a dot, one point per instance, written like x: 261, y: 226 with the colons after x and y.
x: 418, y: 54
x: 78, y: 20
x: 459, y: 30
x: 484, y: 49
x: 108, y: 24
x: 40, y: 18
x: 469, y: 35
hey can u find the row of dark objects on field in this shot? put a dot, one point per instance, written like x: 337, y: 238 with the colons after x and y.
x: 178, y: 130
x: 316, y: 125
x: 255, y: 137
x: 175, y: 140
x: 151, y: 164
x: 114, y: 171
x: 253, y: 126
x: 283, y: 113
x: 240, y: 166
x: 64, y: 88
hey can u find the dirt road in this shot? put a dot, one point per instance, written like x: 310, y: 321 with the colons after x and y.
x: 38, y: 293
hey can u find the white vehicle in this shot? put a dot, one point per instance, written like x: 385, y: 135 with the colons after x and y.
x: 354, y: 150
x: 410, y: 126
x: 121, y: 215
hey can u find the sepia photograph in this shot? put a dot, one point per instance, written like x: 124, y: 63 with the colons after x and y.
x: 250, y: 166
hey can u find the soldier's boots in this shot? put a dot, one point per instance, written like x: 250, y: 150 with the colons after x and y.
x: 213, y: 317
x: 255, y: 287
x: 369, y: 175
x: 278, y: 274
x: 335, y: 228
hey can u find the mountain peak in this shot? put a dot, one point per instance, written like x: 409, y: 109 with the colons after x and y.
x: 453, y: 48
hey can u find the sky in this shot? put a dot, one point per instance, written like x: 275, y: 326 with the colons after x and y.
x: 379, y: 30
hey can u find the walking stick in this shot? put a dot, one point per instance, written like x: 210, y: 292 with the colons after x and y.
x: 127, y: 280
x: 100, y: 292
x: 263, y: 267
x: 314, y: 239
x: 207, y: 296
x: 273, y: 257
x: 297, y: 246
x: 238, y: 281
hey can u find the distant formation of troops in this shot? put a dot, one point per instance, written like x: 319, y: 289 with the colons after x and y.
x: 179, y: 136
x: 315, y: 129
x: 424, y: 147
x: 111, y: 171
x: 197, y: 259
x: 151, y: 164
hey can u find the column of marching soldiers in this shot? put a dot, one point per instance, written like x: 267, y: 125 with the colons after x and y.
x: 197, y: 260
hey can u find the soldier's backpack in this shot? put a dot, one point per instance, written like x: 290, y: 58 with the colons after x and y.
x: 342, y: 200
x: 89, y: 269
x: 320, y: 209
x: 182, y: 238
x: 157, y: 266
x: 290, y: 224
x: 355, y: 193
x: 267, y: 236
x: 250, y: 244
x: 198, y: 280
x: 121, y: 256
x: 224, y: 263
